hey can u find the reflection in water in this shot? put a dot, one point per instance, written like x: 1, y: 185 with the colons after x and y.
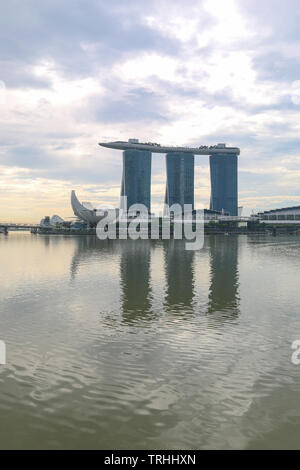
x: 95, y: 363
x: 89, y: 248
x: 179, y: 275
x: 223, y: 291
x: 135, y: 278
x: 85, y: 246
x: 134, y: 260
x: 46, y: 240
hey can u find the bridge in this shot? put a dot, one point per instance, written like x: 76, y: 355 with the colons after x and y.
x: 6, y: 226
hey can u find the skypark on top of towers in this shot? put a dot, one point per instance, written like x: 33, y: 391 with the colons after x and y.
x: 157, y: 148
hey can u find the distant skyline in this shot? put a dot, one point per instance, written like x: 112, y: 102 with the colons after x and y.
x: 78, y: 72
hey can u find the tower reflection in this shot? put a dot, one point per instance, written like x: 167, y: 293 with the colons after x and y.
x: 224, y: 283
x: 89, y: 248
x: 136, y: 293
x: 179, y: 276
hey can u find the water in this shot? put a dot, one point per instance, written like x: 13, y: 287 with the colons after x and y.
x: 143, y: 345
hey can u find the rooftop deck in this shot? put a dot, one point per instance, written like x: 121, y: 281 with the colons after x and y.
x: 157, y: 148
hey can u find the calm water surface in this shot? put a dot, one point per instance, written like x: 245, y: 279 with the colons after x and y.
x: 120, y: 344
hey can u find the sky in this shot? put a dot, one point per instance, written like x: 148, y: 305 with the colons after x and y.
x: 182, y: 72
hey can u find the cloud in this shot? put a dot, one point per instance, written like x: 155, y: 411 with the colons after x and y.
x: 76, y: 72
x: 136, y: 103
x: 79, y: 35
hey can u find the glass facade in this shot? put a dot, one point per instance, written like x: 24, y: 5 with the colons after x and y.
x: 136, y: 178
x: 224, y: 183
x: 180, y: 179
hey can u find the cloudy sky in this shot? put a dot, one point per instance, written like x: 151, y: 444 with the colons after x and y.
x: 197, y: 72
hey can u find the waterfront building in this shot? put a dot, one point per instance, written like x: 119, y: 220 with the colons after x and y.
x: 136, y: 178
x: 180, y: 179
x: 56, y: 220
x: 45, y: 222
x: 86, y: 212
x: 134, y: 144
x: 224, y: 183
x: 287, y: 214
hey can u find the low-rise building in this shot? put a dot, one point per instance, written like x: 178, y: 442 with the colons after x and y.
x: 284, y: 214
